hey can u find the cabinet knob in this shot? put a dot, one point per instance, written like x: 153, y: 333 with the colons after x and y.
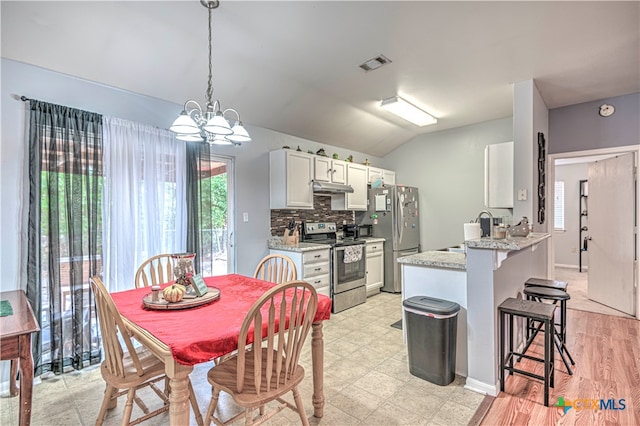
x: 317, y: 256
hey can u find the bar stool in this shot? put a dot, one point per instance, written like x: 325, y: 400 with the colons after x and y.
x: 541, y: 294
x: 541, y: 282
x: 529, y: 310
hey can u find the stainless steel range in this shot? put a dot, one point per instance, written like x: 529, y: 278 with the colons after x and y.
x: 348, y: 264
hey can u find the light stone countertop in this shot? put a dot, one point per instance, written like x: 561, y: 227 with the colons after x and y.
x: 370, y: 240
x: 511, y: 243
x: 275, y: 243
x: 437, y: 259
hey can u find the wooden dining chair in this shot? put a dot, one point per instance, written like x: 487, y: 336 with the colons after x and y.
x: 276, y: 268
x: 155, y: 270
x: 266, y: 368
x: 125, y: 370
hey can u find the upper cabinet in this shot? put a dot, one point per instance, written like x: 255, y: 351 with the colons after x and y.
x: 387, y: 177
x: 357, y: 200
x: 498, y: 175
x: 374, y: 174
x: 291, y: 175
x: 328, y: 170
x: 357, y: 178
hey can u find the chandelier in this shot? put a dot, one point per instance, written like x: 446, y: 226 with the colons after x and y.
x: 197, y: 124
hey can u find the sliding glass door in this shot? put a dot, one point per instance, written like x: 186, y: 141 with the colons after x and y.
x: 216, y: 249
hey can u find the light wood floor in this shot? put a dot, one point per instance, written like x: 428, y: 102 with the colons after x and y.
x: 606, y: 350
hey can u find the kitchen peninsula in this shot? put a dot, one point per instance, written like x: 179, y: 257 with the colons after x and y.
x: 491, y: 271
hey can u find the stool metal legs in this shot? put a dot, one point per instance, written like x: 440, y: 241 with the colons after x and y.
x: 560, y: 336
x: 506, y: 361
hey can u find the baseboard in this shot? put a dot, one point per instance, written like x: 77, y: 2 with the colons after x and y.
x: 560, y: 265
x: 481, y: 387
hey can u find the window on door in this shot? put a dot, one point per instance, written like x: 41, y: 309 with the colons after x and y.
x: 215, y: 215
x: 558, y: 209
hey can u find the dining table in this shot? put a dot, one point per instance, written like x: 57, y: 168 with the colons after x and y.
x: 183, y: 338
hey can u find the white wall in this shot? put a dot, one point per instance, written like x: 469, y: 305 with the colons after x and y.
x: 567, y: 242
x: 448, y: 168
x: 252, y: 160
x: 530, y: 116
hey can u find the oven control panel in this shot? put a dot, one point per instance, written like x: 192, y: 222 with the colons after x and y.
x: 319, y: 227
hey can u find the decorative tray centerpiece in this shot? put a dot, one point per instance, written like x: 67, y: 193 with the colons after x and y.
x: 176, y: 295
x: 191, y: 302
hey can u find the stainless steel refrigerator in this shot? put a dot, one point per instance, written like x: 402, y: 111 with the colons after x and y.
x: 393, y: 214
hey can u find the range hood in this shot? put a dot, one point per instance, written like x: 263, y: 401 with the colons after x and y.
x: 331, y: 188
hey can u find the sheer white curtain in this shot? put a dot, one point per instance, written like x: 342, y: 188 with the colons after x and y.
x: 144, y: 207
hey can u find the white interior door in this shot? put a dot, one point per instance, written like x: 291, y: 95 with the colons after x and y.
x: 611, y: 212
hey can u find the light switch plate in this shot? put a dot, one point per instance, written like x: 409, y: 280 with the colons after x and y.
x: 522, y: 195
x: 245, y: 217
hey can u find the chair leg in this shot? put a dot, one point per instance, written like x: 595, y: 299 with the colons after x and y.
x: 215, y: 394
x: 248, y: 417
x: 194, y: 405
x: 128, y: 408
x: 108, y: 393
x: 167, y: 388
x: 141, y: 404
x: 300, y: 406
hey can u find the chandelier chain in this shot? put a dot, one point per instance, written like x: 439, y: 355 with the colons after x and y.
x: 197, y: 124
x: 209, y: 87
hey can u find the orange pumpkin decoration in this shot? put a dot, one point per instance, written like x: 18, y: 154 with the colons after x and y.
x: 174, y: 293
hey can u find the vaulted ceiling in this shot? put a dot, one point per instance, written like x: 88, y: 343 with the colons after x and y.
x: 292, y: 66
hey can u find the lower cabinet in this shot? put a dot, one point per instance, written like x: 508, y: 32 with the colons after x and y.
x: 375, y: 267
x: 313, y: 266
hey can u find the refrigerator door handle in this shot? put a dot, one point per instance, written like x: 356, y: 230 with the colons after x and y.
x: 399, y: 219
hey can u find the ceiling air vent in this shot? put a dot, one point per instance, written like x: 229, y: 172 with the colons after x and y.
x: 375, y: 63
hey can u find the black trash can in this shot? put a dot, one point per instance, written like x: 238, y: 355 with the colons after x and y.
x: 431, y: 326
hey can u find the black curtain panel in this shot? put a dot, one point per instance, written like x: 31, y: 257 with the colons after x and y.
x: 197, y: 155
x: 64, y: 233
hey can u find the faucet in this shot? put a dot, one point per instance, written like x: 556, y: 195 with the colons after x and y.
x: 488, y: 213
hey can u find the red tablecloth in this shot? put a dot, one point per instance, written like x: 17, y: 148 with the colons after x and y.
x: 206, y: 332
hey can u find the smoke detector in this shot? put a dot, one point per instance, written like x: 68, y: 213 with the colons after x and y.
x: 375, y: 63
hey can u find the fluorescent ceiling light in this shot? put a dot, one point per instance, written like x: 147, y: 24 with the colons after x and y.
x: 409, y: 112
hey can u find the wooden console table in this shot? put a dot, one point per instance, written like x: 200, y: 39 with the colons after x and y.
x: 15, y: 344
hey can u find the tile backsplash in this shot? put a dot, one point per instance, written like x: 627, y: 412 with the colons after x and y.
x: 321, y: 213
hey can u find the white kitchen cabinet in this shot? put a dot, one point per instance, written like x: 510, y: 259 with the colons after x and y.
x: 313, y: 266
x: 375, y: 267
x: 387, y: 177
x: 498, y: 175
x: 291, y: 176
x: 357, y: 200
x: 373, y: 174
x: 328, y: 170
x: 357, y: 178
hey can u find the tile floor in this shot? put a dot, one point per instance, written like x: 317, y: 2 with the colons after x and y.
x: 366, y: 382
